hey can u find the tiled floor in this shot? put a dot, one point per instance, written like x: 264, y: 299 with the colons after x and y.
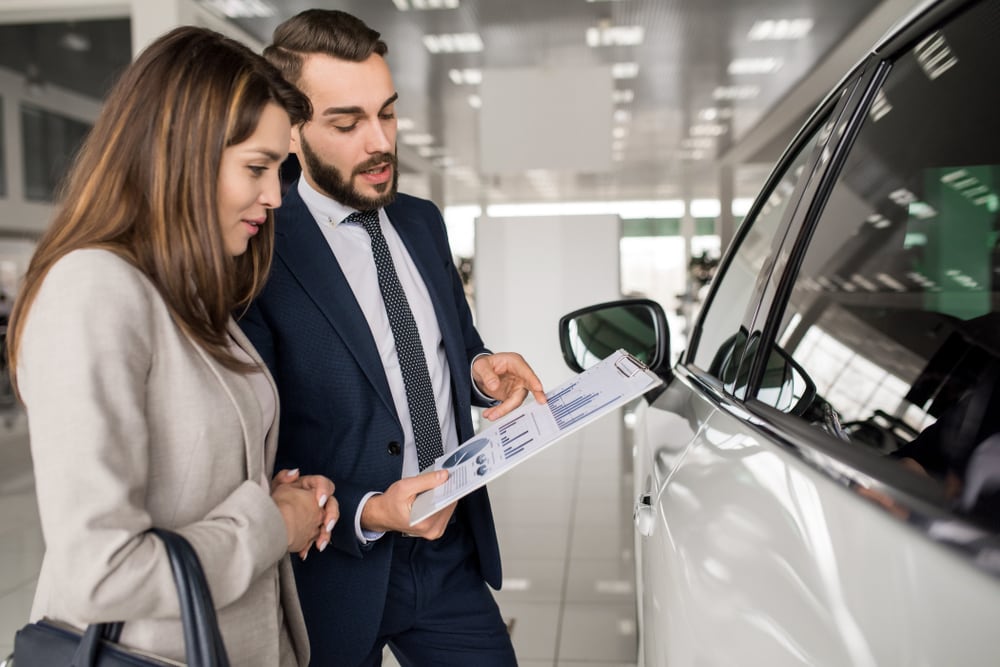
x: 565, y: 534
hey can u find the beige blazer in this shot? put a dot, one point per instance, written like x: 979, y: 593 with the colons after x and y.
x: 132, y: 425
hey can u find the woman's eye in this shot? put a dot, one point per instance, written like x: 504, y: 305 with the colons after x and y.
x: 257, y: 170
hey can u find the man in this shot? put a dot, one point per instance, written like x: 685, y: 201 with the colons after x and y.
x: 366, y: 329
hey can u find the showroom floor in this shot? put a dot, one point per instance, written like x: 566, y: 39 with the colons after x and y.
x: 565, y: 534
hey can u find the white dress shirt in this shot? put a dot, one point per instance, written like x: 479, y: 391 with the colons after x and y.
x: 352, y: 247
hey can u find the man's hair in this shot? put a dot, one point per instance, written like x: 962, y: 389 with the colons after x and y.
x: 144, y: 184
x: 325, y: 31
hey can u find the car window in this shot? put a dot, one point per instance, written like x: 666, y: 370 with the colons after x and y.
x: 895, y: 313
x: 719, y: 344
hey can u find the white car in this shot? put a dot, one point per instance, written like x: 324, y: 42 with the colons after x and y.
x: 818, y: 483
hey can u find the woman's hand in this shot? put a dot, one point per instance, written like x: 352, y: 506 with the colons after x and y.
x: 308, y: 508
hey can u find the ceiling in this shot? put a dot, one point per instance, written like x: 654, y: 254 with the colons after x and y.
x: 673, y: 124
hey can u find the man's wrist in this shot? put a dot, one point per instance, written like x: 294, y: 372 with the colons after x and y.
x: 365, y: 536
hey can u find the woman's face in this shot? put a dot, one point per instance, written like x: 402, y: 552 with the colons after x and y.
x: 248, y: 179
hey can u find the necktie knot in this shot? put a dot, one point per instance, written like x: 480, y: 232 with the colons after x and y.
x: 367, y: 219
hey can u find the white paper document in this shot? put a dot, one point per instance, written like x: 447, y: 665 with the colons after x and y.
x: 533, y: 427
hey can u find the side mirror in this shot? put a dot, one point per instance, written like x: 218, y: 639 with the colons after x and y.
x: 638, y: 326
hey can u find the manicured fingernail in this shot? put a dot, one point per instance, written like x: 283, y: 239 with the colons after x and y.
x: 322, y: 545
x: 329, y: 526
x: 303, y: 556
x: 322, y: 500
x: 292, y: 472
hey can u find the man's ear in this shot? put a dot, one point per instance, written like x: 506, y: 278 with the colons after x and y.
x: 293, y: 145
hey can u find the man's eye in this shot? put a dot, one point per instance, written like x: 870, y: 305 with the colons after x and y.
x: 346, y: 128
x: 388, y: 115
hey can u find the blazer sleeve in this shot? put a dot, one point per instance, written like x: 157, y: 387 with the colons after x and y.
x: 85, y: 356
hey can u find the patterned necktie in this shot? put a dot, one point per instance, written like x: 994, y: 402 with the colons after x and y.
x: 412, y: 363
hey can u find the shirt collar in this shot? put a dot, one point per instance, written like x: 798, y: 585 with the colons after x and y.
x: 323, y: 208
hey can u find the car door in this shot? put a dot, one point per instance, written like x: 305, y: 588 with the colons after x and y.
x: 674, y: 426
x: 784, y: 526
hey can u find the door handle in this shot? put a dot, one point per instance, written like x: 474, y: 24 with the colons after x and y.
x: 644, y: 514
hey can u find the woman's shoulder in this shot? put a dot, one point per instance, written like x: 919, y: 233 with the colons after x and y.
x: 91, y: 278
x: 88, y: 261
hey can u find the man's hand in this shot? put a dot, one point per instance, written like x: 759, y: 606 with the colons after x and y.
x: 506, y: 377
x: 391, y: 510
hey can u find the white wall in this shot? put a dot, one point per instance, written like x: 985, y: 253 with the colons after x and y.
x: 531, y: 271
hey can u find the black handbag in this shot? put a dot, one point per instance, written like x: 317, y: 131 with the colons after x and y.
x: 48, y: 643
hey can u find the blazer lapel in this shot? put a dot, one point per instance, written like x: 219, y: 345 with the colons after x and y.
x: 300, y: 245
x: 241, y: 393
x: 271, y: 437
x: 420, y: 244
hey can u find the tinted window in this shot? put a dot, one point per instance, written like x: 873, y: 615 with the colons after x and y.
x: 720, y: 340
x: 893, y: 315
x: 50, y: 141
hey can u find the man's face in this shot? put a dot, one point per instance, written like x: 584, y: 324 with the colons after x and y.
x: 348, y: 149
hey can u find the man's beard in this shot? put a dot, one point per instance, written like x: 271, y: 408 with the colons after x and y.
x: 329, y: 180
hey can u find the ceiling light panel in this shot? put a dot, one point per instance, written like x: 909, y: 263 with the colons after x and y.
x: 610, y: 35
x: 735, y: 92
x: 240, y: 9
x: 463, y: 42
x: 741, y: 66
x: 625, y: 70
x: 471, y: 77
x: 780, y: 29
x: 405, y: 5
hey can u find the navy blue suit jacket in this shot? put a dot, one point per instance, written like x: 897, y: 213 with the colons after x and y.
x: 337, y: 415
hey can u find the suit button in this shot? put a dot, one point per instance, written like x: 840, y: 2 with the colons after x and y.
x: 394, y: 449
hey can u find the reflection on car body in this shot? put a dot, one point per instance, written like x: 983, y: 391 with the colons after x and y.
x: 818, y: 482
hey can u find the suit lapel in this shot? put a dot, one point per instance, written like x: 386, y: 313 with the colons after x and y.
x: 419, y: 243
x: 300, y: 245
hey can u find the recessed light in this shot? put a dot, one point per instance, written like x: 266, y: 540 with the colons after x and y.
x: 735, y: 92
x: 625, y: 70
x: 405, y: 124
x: 754, y: 66
x: 619, y: 132
x: 238, y: 9
x: 475, y: 101
x: 404, y: 5
x: 462, y: 42
x: 775, y: 29
x: 610, y: 35
x: 472, y: 77
x: 708, y: 130
x: 622, y: 115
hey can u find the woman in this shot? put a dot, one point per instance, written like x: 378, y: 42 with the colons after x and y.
x: 146, y: 405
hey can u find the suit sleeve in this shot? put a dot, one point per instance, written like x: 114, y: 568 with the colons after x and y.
x: 86, y: 352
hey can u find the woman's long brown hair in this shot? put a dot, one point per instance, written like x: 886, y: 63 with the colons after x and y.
x: 145, y: 182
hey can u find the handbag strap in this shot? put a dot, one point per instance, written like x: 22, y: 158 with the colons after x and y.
x: 202, y: 638
x: 203, y: 644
